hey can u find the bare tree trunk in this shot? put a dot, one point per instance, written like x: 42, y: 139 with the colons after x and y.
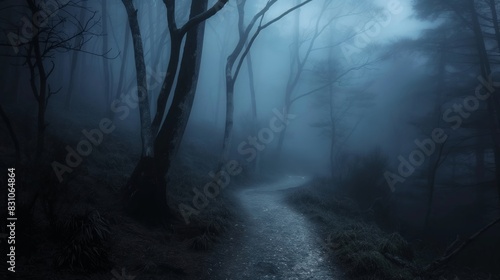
x: 145, y: 174
x: 479, y: 157
x: 142, y: 85
x: 170, y: 135
x: 228, y: 127
x: 333, y: 128
x: 293, y: 77
x: 45, y: 42
x: 454, y: 166
x: 71, y: 87
x: 12, y: 134
x: 241, y: 51
x: 431, y: 185
x: 253, y: 98
x: 494, y: 16
x: 497, y: 132
x: 332, y: 147
x: 126, y: 46
x: 147, y: 183
x: 434, y: 160
x: 493, y: 106
x: 251, y: 81
x: 231, y: 77
x: 15, y: 84
x: 152, y: 34
x: 230, y: 81
x: 331, y: 106
x: 219, y: 101
x: 105, y: 63
x: 168, y: 82
x: 297, y: 66
x: 40, y: 93
x: 161, y: 49
x: 74, y: 61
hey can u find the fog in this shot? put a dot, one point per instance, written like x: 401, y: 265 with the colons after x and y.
x: 209, y: 127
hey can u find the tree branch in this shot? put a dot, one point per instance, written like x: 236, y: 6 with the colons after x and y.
x: 446, y: 258
x: 201, y: 17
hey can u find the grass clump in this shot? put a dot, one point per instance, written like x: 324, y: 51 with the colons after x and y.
x: 396, y: 245
x: 360, y: 246
x: 210, y: 233
x: 203, y: 242
x: 85, y: 247
x: 210, y: 223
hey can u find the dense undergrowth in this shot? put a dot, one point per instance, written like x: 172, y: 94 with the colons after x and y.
x: 79, y: 229
x: 352, y: 238
x: 358, y: 246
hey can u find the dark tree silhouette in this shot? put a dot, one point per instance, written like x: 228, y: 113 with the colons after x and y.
x: 237, y: 58
x: 162, y: 138
x: 46, y: 36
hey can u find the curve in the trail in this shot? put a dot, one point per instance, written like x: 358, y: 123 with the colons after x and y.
x: 274, y: 241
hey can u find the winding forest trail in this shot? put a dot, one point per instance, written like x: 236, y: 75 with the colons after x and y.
x: 273, y: 241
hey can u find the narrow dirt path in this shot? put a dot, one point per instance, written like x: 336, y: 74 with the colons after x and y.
x: 272, y: 242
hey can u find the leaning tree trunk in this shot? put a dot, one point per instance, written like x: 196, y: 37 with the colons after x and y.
x: 251, y: 80
x: 434, y: 160
x: 431, y: 185
x: 497, y: 148
x: 105, y: 63
x: 40, y: 94
x: 230, y: 82
x: 126, y: 46
x: 148, y: 179
x: 298, y: 65
x: 228, y: 126
x: 493, y: 106
x: 241, y: 51
x: 142, y: 85
x: 144, y: 175
x: 331, y: 106
x: 253, y: 97
x: 332, y: 127
x: 480, y: 155
x: 295, y: 72
x: 168, y: 82
x: 170, y: 134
